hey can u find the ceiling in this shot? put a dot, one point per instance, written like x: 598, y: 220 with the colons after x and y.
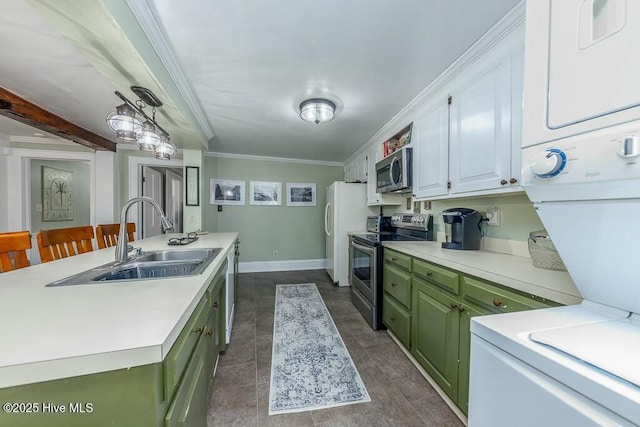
x: 232, y: 74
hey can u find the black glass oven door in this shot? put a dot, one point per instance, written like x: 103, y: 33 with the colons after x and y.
x: 363, y: 269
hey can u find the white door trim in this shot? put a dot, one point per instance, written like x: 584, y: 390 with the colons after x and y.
x: 19, y: 192
x: 135, y: 166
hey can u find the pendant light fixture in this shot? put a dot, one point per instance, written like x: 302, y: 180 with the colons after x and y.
x: 149, y: 135
x: 165, y: 150
x: 317, y: 110
x: 124, y: 123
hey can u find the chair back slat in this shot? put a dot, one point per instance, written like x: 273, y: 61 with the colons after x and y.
x: 13, y: 247
x: 59, y: 243
x: 107, y: 234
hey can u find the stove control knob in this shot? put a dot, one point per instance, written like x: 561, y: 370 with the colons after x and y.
x: 629, y: 147
x: 549, y: 163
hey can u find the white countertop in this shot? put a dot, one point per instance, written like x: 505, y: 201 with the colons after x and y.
x: 508, y: 270
x: 57, y: 332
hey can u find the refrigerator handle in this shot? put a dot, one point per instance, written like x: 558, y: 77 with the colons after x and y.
x: 326, y: 219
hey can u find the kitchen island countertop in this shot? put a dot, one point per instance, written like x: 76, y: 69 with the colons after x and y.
x: 512, y: 271
x: 58, y: 332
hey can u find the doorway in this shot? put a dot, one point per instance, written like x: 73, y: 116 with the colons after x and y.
x: 164, y: 185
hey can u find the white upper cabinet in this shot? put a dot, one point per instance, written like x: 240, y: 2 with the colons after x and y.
x: 430, y: 148
x: 481, y: 143
x: 357, y: 170
x: 468, y: 133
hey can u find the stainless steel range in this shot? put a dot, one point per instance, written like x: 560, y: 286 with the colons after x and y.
x: 365, y: 258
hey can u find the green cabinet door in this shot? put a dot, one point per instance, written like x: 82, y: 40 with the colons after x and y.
x: 189, y: 406
x: 434, y: 340
x: 397, y: 319
x: 464, y: 354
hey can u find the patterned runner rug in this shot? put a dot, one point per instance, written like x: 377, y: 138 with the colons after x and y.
x: 311, y: 367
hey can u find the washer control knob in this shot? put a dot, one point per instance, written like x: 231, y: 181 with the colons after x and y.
x: 629, y: 147
x: 549, y: 163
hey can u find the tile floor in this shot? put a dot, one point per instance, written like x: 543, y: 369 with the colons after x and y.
x: 400, y: 396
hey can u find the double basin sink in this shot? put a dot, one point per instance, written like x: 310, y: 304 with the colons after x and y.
x: 148, y: 265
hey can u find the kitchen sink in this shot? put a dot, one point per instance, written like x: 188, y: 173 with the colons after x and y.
x: 148, y: 265
x: 177, y: 255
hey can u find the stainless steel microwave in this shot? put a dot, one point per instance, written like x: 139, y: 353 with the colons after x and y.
x: 393, y: 173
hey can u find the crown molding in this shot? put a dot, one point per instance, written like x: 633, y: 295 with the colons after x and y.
x: 145, y: 14
x: 272, y: 159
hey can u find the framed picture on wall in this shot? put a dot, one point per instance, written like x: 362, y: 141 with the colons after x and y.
x: 301, y: 194
x: 227, y: 192
x: 265, y: 193
x: 57, y: 194
x: 192, y: 185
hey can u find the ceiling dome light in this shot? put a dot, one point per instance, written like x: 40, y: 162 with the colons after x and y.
x: 317, y: 110
x: 165, y: 150
x: 124, y: 123
x: 149, y: 139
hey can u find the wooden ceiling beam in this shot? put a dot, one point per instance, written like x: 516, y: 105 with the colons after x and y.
x: 17, y: 108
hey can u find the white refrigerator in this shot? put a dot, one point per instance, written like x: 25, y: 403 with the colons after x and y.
x: 346, y: 210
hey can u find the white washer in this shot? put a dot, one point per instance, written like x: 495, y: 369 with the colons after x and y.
x: 576, y: 365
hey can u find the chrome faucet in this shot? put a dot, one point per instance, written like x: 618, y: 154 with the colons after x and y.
x: 121, y: 246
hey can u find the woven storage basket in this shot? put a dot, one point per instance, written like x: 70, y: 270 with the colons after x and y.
x: 543, y: 252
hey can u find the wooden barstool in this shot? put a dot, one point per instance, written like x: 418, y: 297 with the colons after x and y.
x: 16, y: 244
x: 59, y: 243
x: 107, y: 234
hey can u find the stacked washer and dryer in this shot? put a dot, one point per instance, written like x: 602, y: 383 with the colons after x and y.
x: 575, y: 365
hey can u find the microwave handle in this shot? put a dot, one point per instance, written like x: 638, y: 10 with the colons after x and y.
x: 393, y: 162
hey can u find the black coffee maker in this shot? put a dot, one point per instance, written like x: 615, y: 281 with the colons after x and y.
x: 462, y: 227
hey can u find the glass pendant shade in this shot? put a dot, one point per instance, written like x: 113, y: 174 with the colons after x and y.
x: 165, y: 150
x: 149, y: 139
x: 317, y: 110
x: 124, y: 123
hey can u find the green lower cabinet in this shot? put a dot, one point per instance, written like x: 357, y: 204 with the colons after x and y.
x: 132, y: 397
x: 464, y: 351
x: 434, y: 340
x: 429, y: 308
x: 189, y: 406
x: 172, y: 393
x: 397, y: 319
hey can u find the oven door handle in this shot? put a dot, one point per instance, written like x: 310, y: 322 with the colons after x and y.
x: 365, y: 249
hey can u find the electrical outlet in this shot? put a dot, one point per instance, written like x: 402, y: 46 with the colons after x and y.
x: 494, y: 215
x: 275, y: 254
x: 191, y: 219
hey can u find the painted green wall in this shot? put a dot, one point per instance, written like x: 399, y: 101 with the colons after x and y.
x: 81, y: 193
x: 297, y: 233
x: 518, y: 215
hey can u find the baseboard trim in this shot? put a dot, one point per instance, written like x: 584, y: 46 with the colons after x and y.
x: 430, y: 380
x: 291, y: 265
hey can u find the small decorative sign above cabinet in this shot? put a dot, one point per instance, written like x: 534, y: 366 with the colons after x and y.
x: 397, y: 141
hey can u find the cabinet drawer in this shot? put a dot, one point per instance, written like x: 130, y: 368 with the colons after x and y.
x: 180, y: 353
x: 397, y: 320
x: 399, y: 260
x: 497, y: 299
x: 443, y: 278
x: 397, y: 283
